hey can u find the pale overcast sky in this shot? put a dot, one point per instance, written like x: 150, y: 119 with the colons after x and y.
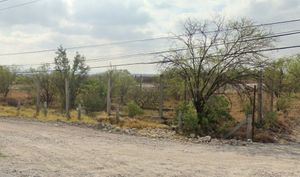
x: 48, y: 23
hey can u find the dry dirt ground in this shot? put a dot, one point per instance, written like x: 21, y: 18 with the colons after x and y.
x: 31, y: 148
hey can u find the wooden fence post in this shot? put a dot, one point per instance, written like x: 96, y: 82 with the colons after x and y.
x: 253, y: 110
x: 249, y: 126
x: 272, y: 97
x: 179, y: 121
x: 141, y: 83
x: 118, y: 114
x: 260, y: 98
x: 38, y: 99
x: 185, y: 90
x: 18, y: 107
x: 79, y: 112
x: 45, y: 109
x: 67, y: 97
x: 108, y: 101
x: 161, y: 97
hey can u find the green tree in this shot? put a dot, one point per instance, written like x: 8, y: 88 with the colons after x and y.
x: 123, y: 84
x: 213, y: 59
x: 174, y: 84
x: 293, y: 73
x: 7, y: 77
x: 46, y: 81
x: 93, y: 94
x: 75, y: 73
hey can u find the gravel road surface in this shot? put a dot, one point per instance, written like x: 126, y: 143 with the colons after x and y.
x: 33, y: 149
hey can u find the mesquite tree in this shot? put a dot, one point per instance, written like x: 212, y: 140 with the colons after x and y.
x: 216, y: 53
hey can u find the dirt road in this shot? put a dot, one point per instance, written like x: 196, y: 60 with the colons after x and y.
x: 47, y: 149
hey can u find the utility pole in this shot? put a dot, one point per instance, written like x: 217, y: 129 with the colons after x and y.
x: 260, y: 98
x: 161, y: 97
x: 67, y: 87
x: 108, y: 101
x: 38, y: 99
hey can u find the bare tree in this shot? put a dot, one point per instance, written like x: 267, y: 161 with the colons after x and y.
x: 45, y: 80
x: 211, y: 59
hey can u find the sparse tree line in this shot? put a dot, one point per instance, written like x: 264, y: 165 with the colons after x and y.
x: 212, y: 60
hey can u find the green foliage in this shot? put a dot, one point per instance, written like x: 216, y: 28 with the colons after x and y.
x: 46, y: 83
x: 123, y: 83
x: 216, y: 114
x: 174, y: 84
x: 270, y: 119
x: 76, y: 74
x: 293, y: 73
x: 7, y: 77
x: 283, y: 103
x: 247, y: 109
x: 275, y: 77
x: 214, y: 119
x: 146, y: 98
x: 189, y: 117
x: 92, y: 95
x: 133, y: 109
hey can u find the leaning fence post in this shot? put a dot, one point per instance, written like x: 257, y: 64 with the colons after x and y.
x: 45, y: 106
x: 79, y: 112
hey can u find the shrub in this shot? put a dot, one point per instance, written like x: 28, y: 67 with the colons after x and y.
x: 283, y: 103
x: 247, y: 109
x: 133, y: 109
x: 270, y: 119
x: 146, y: 98
x: 92, y: 95
x: 189, y: 117
x: 217, y: 117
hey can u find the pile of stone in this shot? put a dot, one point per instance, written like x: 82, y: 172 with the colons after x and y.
x: 115, y: 129
x: 169, y: 134
x: 197, y: 139
x: 157, y: 133
x: 148, y: 132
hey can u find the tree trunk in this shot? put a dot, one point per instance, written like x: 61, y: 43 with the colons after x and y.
x: 199, y: 105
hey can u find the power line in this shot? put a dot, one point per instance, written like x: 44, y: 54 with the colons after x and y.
x: 109, y: 58
x: 137, y: 40
x: 19, y: 5
x: 288, y: 33
x: 162, y: 61
x: 157, y: 62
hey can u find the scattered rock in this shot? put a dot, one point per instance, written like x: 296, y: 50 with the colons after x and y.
x: 205, y: 139
x: 192, y: 135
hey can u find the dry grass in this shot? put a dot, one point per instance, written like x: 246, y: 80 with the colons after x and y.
x: 53, y: 115
x: 29, y: 113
